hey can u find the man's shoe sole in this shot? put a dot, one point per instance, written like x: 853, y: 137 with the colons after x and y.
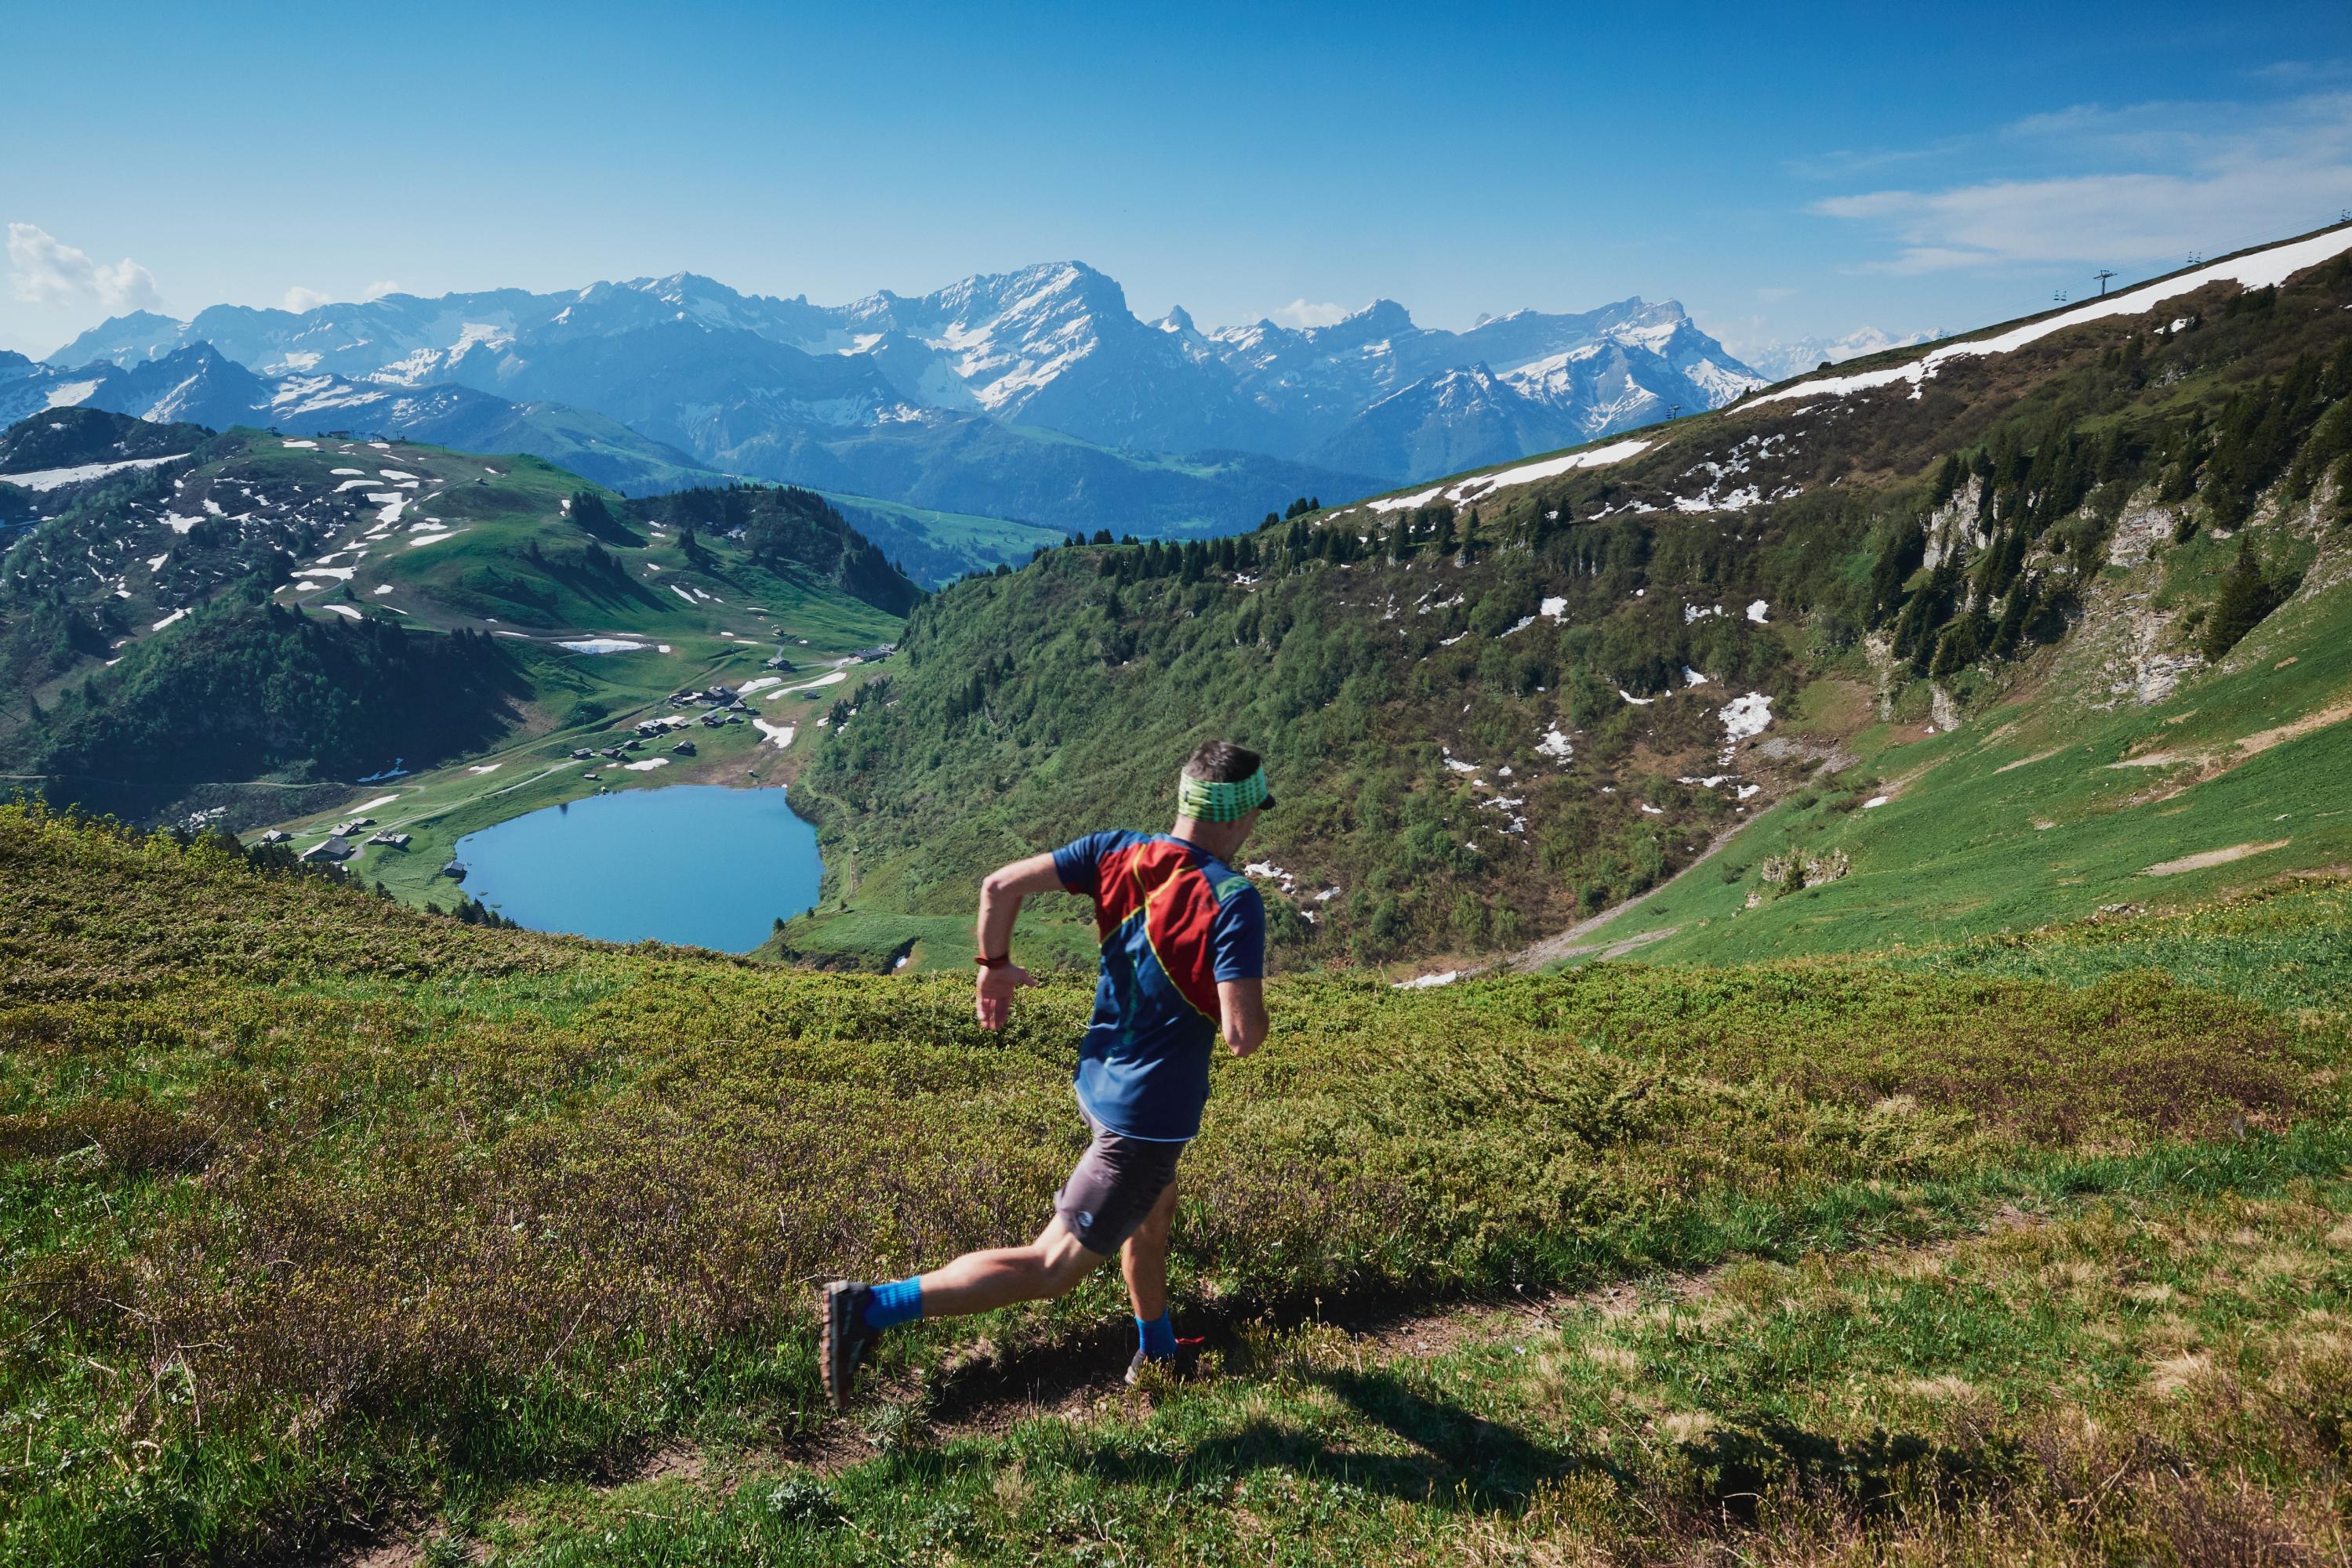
x: 841, y: 1344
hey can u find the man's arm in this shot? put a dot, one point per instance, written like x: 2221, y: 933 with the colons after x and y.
x: 1241, y: 1006
x: 1000, y: 893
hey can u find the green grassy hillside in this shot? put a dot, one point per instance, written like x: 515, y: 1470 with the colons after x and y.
x: 1524, y: 696
x: 332, y: 1223
x: 935, y: 548
x: 317, y: 612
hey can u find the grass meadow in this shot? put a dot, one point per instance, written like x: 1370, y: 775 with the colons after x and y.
x: 334, y: 1227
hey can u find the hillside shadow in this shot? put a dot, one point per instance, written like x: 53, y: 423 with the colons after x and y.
x: 605, y: 589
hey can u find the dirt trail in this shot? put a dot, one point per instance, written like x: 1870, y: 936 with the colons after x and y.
x: 987, y: 1392
x: 1570, y: 944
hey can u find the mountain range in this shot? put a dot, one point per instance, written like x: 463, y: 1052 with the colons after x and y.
x: 1035, y: 394
x: 1782, y: 358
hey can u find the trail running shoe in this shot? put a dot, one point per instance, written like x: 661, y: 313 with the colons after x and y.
x: 846, y: 1337
x: 1184, y: 1363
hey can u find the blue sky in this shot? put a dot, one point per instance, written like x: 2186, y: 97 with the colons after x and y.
x: 1784, y: 171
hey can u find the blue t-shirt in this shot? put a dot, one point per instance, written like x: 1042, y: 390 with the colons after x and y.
x: 1174, y: 921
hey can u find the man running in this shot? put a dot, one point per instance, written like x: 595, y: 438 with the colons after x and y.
x: 1183, y: 954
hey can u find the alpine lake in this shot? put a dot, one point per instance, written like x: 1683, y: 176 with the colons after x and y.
x: 692, y: 864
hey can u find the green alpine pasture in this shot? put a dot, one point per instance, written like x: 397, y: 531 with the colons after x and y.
x: 332, y: 1222
x: 2045, y: 809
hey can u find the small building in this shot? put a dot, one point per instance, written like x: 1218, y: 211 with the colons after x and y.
x: 683, y: 749
x: 454, y: 871
x: 633, y: 744
x: 276, y: 836
x: 732, y: 719
x: 581, y: 753
x: 712, y: 720
x: 780, y: 662
x: 336, y: 848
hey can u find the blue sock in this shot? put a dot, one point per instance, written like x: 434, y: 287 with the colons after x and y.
x: 899, y: 1301
x: 1158, y: 1337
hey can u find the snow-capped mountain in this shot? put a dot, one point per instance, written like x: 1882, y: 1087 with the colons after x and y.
x: 1780, y: 360
x: 757, y: 385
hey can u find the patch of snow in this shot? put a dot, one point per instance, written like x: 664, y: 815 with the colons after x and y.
x: 1484, y: 485
x: 486, y: 768
x: 2259, y: 269
x: 66, y: 393
x: 1553, y: 609
x: 1747, y: 790
x: 341, y: 610
x: 1424, y: 982
x: 604, y: 645
x: 1636, y: 701
x: 424, y: 539
x: 759, y: 684
x: 52, y: 478
x: 1875, y: 802
x: 1746, y: 716
x: 1756, y: 612
x: 648, y: 765
x: 1387, y: 503
x: 1554, y: 744
x: 385, y: 589
x: 782, y: 735
x: 835, y: 678
x: 300, y: 445
x: 372, y: 804
x: 167, y: 620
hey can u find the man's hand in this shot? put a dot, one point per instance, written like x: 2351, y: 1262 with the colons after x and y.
x: 992, y: 994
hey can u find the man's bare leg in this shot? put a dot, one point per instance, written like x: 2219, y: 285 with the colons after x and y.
x: 1144, y: 1259
x: 1049, y: 1267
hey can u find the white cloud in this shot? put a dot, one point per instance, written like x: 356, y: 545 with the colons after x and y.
x: 299, y: 298
x: 2205, y: 182
x: 377, y: 291
x: 1304, y: 314
x: 50, y: 273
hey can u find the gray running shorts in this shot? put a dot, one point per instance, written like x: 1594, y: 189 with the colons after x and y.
x: 1113, y: 1187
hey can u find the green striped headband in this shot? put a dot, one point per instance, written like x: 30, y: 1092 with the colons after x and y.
x: 1210, y: 800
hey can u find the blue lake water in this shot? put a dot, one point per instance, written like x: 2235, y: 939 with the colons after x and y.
x: 698, y: 864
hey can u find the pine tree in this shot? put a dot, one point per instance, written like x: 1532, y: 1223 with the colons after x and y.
x: 2246, y: 600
